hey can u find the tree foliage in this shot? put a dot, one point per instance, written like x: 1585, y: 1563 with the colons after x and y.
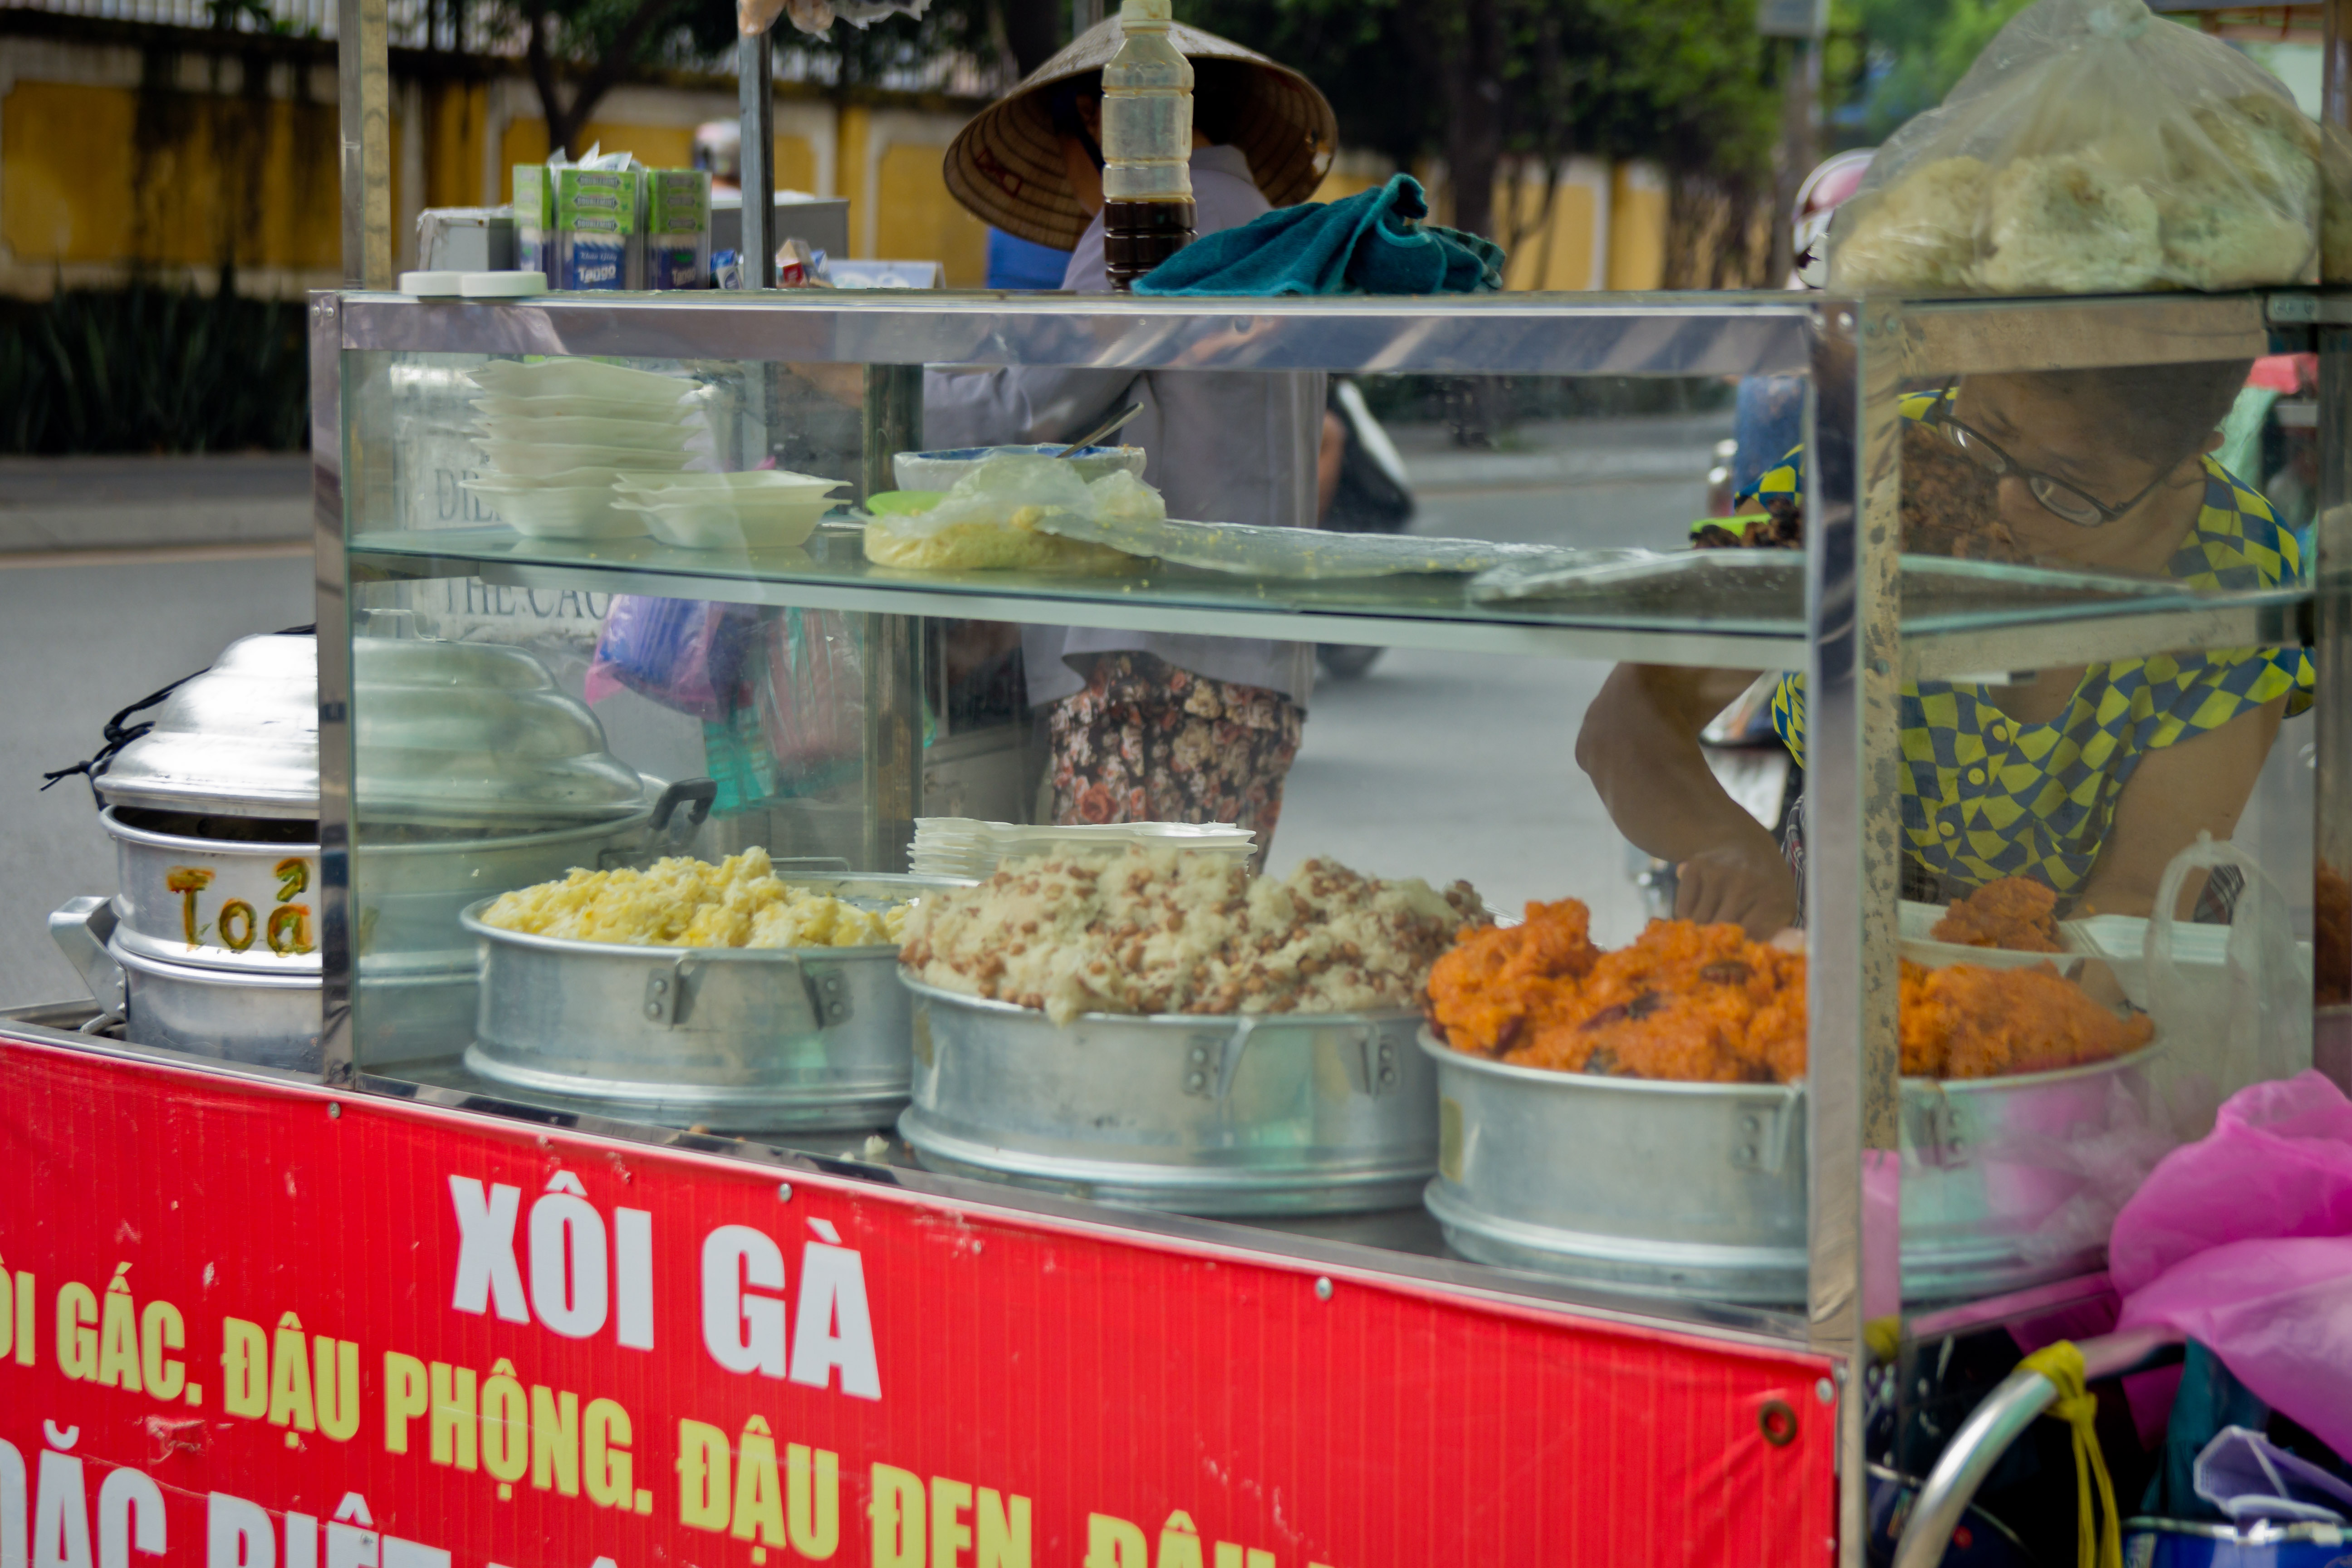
x: 1890, y: 59
x: 1688, y: 85
x: 149, y: 369
x: 579, y: 51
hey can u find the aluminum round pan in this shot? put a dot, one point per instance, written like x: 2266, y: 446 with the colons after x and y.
x: 270, y: 1020
x: 743, y: 1039
x: 412, y: 892
x: 1268, y: 1113
x: 1696, y: 1190
x: 214, y: 903
x: 174, y: 890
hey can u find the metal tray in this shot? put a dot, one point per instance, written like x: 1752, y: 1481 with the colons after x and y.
x: 739, y: 1039
x: 1268, y: 1113
x: 1696, y: 1190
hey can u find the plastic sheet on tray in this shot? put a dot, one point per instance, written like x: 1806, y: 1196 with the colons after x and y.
x: 1249, y: 551
x: 1773, y: 582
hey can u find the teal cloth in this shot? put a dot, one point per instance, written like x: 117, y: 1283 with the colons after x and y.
x: 1373, y: 242
x: 2208, y: 1400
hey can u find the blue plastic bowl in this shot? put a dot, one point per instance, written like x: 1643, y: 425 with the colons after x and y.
x: 2178, y: 1544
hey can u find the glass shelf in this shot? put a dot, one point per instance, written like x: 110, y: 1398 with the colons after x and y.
x: 1584, y: 333
x: 1736, y: 610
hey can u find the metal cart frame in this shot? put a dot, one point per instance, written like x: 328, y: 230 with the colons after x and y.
x: 1852, y: 647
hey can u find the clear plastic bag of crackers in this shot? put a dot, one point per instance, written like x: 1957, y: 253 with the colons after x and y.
x: 753, y: 17
x: 2097, y: 148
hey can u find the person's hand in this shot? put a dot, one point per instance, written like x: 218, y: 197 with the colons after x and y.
x: 843, y: 383
x: 1746, y: 884
x: 1327, y: 460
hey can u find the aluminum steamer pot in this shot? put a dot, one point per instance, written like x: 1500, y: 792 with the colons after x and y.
x: 257, y: 1013
x: 179, y: 899
x: 739, y: 1039
x: 1264, y: 1113
x: 1697, y: 1190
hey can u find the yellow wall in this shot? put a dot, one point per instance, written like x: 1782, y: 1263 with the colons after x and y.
x: 256, y: 180
x: 895, y: 155
x: 917, y: 219
x: 1340, y: 184
x: 457, y: 121
x: 657, y: 147
x: 1558, y: 255
x: 853, y: 141
x: 1637, y: 235
x: 223, y: 178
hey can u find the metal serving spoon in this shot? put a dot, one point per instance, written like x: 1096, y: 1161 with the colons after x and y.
x: 1101, y: 430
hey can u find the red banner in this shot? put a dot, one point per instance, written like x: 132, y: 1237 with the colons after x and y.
x: 247, y: 1326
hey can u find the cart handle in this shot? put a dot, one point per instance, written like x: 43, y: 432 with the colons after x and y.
x: 1998, y: 1422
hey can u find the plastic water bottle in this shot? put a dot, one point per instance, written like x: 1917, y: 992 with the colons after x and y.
x: 1147, y: 143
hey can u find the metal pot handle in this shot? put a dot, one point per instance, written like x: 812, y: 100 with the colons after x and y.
x: 701, y: 793
x: 1374, y: 1060
x: 1209, y: 1076
x: 81, y: 927
x: 668, y: 995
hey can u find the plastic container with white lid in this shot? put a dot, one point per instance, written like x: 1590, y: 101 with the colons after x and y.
x: 501, y: 285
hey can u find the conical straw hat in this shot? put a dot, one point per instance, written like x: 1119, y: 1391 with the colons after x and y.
x: 1005, y: 166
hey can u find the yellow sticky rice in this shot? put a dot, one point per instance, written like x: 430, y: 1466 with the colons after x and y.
x: 684, y: 902
x: 1017, y: 545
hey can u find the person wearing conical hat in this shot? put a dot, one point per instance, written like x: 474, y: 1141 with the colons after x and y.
x: 1146, y: 726
x: 1030, y: 163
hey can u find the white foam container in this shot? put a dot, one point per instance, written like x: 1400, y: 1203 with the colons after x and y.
x: 577, y: 378
x: 537, y: 460
x: 620, y: 435
x: 566, y: 512
x: 721, y: 524
x: 1914, y: 920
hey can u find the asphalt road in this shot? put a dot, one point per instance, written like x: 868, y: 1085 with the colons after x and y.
x: 1434, y: 765
x: 1457, y: 765
x: 81, y: 642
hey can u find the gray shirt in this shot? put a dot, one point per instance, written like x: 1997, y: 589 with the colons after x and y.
x: 1223, y: 446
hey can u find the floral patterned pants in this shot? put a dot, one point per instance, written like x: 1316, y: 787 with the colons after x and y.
x: 1147, y: 741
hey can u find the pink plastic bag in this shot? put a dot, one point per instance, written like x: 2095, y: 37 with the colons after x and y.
x: 2243, y: 1241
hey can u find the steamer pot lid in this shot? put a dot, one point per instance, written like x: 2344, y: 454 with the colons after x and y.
x: 444, y: 732
x: 242, y: 736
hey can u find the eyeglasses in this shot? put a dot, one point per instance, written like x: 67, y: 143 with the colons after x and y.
x: 2057, y: 497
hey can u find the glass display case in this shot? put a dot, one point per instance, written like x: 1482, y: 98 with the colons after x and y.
x: 1928, y: 1155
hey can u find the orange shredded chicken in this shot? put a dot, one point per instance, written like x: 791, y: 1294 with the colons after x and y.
x: 1963, y: 1021
x: 2015, y: 912
x: 2332, y: 935
x: 1693, y: 1004
x: 1699, y: 1004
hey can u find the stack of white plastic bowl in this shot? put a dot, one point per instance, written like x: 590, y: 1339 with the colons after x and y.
x: 558, y: 433
x: 966, y: 847
x: 765, y: 509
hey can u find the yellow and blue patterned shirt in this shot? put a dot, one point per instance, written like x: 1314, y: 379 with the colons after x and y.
x: 1985, y: 797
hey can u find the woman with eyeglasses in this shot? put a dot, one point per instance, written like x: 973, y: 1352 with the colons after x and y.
x: 2087, y: 779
